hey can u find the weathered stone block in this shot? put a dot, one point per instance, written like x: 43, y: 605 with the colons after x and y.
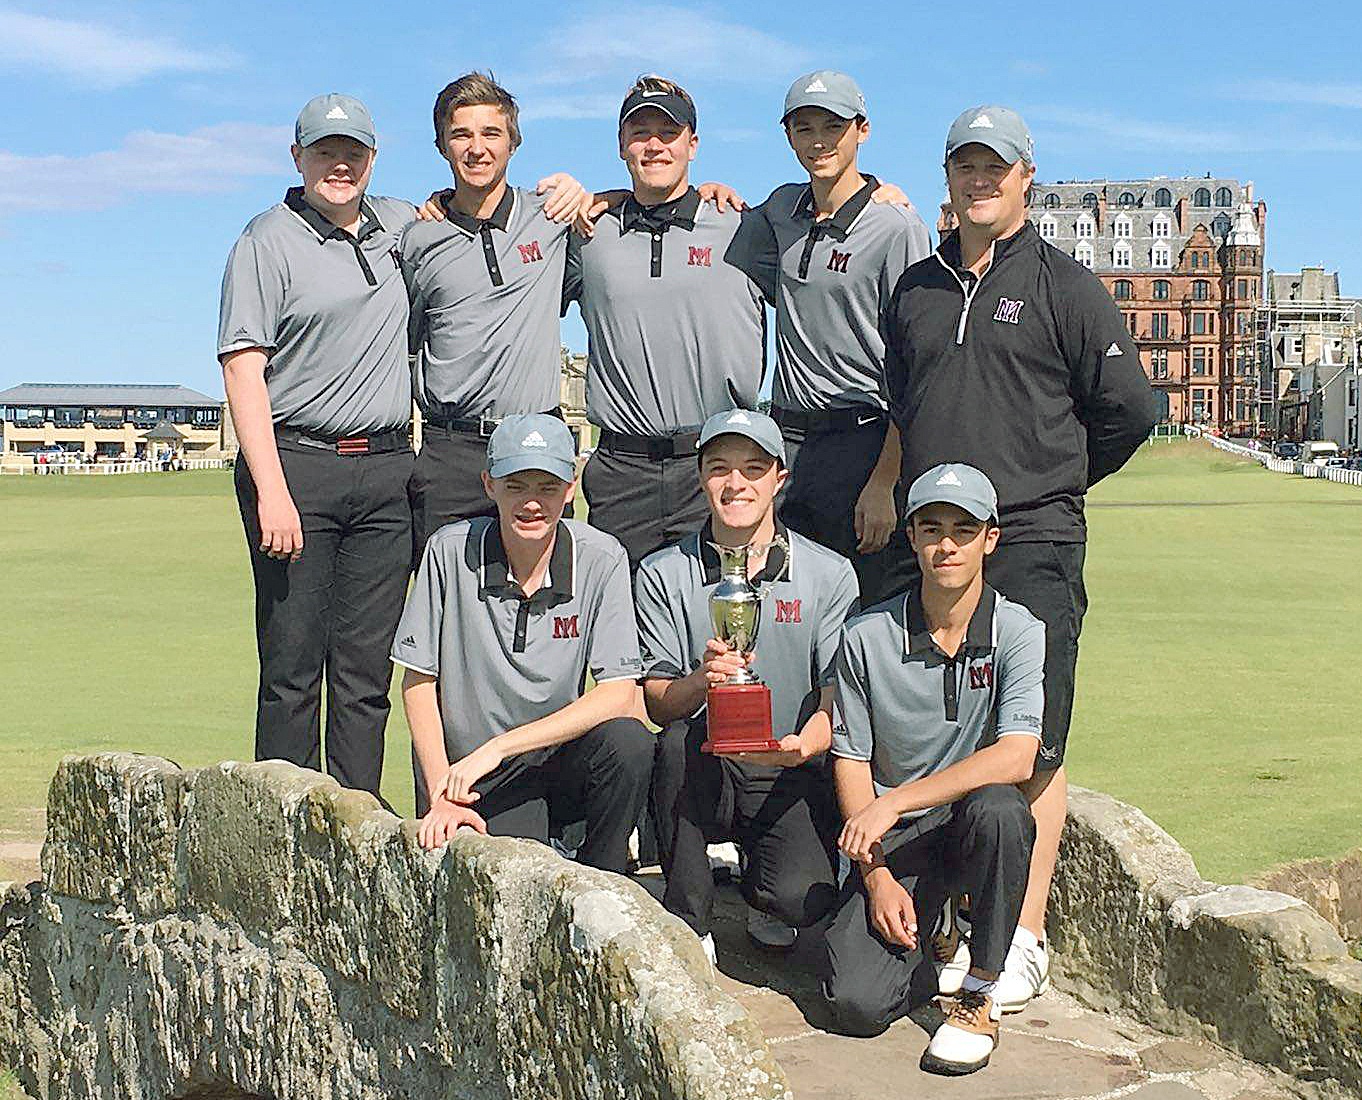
x: 1133, y: 925
x: 295, y: 941
x: 129, y: 858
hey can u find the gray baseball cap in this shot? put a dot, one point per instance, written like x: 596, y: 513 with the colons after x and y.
x: 532, y: 441
x: 958, y: 484
x: 333, y: 115
x: 833, y: 91
x: 1000, y: 128
x: 756, y: 426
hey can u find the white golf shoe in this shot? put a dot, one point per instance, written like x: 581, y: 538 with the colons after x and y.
x: 948, y: 981
x: 1026, y: 974
x: 950, y: 950
x: 966, y: 1041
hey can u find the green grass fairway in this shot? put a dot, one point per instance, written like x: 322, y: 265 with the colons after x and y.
x: 1217, y: 683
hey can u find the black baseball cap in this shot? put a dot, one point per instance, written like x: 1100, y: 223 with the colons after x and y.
x: 676, y: 107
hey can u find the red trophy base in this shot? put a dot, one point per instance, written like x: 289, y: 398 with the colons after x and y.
x: 739, y: 719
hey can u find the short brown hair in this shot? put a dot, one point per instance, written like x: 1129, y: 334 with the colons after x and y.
x: 651, y: 82
x: 475, y: 89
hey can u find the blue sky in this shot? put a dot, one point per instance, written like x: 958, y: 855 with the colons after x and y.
x: 141, y: 135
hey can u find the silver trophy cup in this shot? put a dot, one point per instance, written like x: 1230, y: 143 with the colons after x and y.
x: 735, y: 607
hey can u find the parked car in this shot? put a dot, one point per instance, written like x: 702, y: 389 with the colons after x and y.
x: 1336, y: 463
x: 1285, y: 448
x: 1318, y: 451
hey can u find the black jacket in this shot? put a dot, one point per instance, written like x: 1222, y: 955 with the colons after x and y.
x: 1029, y: 374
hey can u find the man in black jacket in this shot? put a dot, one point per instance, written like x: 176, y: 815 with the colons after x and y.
x: 1004, y: 353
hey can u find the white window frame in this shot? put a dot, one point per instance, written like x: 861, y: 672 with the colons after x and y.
x: 1162, y: 227
x: 1083, y: 253
x: 1085, y: 227
x: 1161, y: 257
x: 1120, y: 255
x: 1048, y: 228
x: 1121, y: 226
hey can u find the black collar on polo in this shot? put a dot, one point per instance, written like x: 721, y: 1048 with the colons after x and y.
x: 979, y: 634
x: 680, y: 212
x: 836, y: 227
x: 496, y: 568
x: 776, y: 567
x: 500, y: 218
x: 980, y: 640
x: 496, y: 578
x: 327, y: 230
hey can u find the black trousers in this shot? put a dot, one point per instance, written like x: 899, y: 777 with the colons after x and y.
x: 332, y: 612
x: 600, y: 777
x: 980, y: 845
x: 828, y: 470
x: 1047, y: 579
x: 645, y: 503
x: 784, y: 820
x: 446, y: 483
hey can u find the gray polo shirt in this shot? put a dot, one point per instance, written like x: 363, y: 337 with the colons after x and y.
x: 486, y: 295
x: 674, y: 334
x: 503, y: 659
x: 911, y: 711
x: 801, y: 618
x: 829, y: 280
x: 330, y: 312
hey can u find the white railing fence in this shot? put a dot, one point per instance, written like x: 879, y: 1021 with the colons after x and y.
x: 24, y: 464
x: 1286, y: 465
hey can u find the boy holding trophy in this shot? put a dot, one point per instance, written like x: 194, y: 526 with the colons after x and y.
x: 782, y: 632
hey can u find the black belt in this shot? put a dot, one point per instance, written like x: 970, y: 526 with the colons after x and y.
x: 656, y: 447
x: 378, y: 443
x: 813, y: 421
x: 482, y: 426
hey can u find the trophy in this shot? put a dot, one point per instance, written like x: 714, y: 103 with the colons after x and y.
x: 738, y: 711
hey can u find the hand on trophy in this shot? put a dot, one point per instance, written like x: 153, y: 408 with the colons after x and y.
x: 722, y: 660
x: 794, y: 750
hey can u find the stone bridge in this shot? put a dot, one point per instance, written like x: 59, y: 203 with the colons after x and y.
x: 253, y: 930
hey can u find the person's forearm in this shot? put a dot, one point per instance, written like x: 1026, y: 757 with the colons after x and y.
x: 248, y: 399
x: 816, y: 734
x: 855, y: 789
x: 422, y: 707
x: 886, y: 471
x: 672, y: 700
x: 612, y: 699
x: 1009, y: 760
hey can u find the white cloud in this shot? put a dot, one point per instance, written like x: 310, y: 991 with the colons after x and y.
x: 1299, y: 91
x: 210, y: 160
x: 1103, y: 129
x: 609, y: 47
x: 93, y: 55
x: 1029, y: 68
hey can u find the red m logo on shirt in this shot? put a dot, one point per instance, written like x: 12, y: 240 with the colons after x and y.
x: 699, y: 257
x: 838, y: 261
x: 981, y: 676
x: 787, y: 611
x: 530, y: 252
x: 565, y: 626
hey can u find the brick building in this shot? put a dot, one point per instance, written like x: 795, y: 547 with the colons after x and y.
x: 1183, y: 258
